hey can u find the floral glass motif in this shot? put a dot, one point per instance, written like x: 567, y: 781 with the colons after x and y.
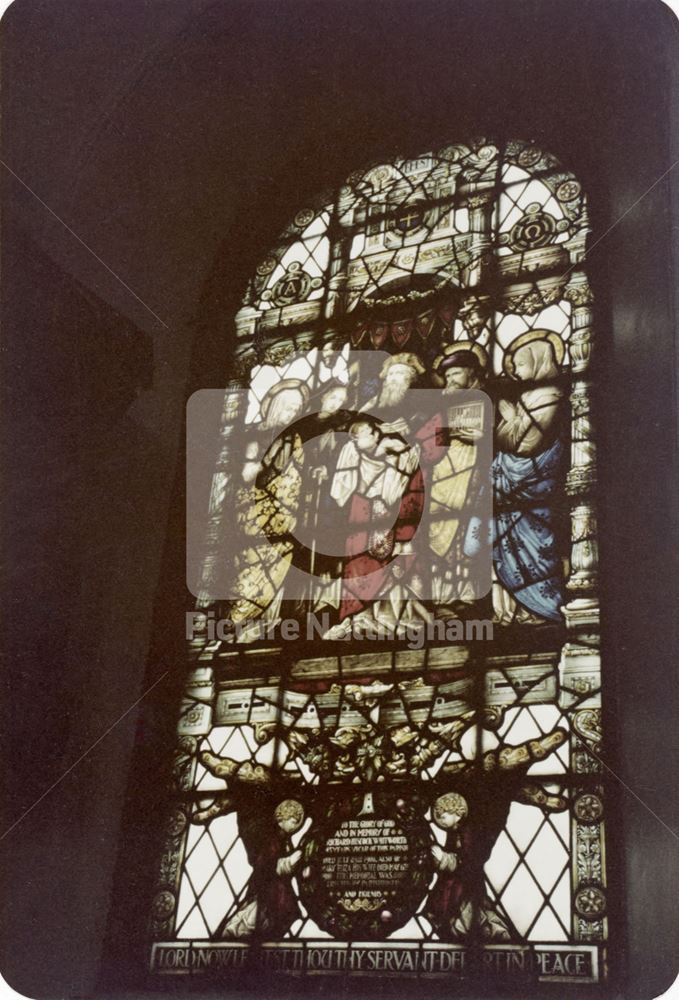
x: 402, y: 791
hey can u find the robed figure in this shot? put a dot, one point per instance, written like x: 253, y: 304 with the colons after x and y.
x: 528, y: 470
x: 457, y: 530
x: 267, y: 509
x: 324, y: 432
x: 371, y: 485
x: 379, y: 485
x: 269, y: 904
x: 467, y: 846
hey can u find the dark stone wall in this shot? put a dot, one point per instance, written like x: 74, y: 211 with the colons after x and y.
x: 175, y: 140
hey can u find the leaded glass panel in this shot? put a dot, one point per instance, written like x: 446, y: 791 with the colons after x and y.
x: 411, y: 783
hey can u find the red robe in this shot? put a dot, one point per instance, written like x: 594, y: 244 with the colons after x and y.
x: 367, y: 569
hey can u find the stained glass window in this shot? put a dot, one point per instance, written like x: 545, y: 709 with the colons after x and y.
x: 388, y: 752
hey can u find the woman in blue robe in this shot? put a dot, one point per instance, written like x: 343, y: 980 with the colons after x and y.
x: 527, y: 476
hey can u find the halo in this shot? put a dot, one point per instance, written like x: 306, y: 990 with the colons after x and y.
x: 527, y: 338
x: 461, y: 345
x: 286, y: 383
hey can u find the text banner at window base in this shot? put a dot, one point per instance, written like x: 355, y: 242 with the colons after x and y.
x: 543, y: 963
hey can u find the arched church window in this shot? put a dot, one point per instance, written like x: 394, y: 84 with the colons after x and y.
x: 388, y: 751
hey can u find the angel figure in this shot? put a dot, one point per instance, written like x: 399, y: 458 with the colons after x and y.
x: 266, y: 827
x: 471, y: 833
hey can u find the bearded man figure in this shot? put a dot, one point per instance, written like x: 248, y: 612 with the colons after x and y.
x: 399, y: 373
x: 458, y: 533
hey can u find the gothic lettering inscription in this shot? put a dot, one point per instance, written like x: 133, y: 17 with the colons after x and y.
x: 560, y: 963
